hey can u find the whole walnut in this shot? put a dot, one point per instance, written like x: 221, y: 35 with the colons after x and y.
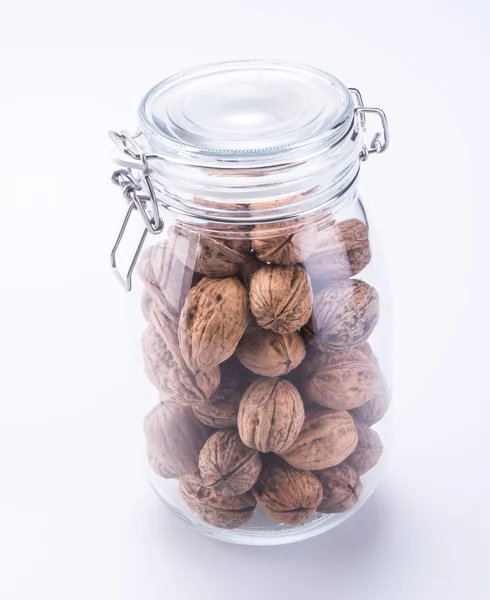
x: 174, y: 439
x: 166, y: 278
x: 271, y: 415
x: 344, y: 316
x: 373, y: 410
x: 281, y: 298
x: 327, y: 438
x: 285, y: 243
x: 340, y: 380
x: 342, y: 488
x: 287, y: 495
x: 227, y: 465
x: 209, y: 255
x: 368, y: 451
x: 270, y: 354
x: 221, y: 411
x: 343, y: 251
x: 166, y: 367
x: 211, y: 507
x: 214, y: 318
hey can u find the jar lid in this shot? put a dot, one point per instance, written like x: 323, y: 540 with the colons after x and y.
x: 246, y: 109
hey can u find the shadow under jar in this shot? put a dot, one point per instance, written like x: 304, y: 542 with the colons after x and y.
x: 264, y: 361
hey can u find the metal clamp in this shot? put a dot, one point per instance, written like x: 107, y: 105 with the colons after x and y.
x: 381, y: 139
x: 133, y: 190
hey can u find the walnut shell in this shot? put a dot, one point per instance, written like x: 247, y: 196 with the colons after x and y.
x: 287, y: 495
x: 210, y: 256
x: 166, y: 367
x: 342, y: 487
x: 174, y: 439
x: 281, y: 298
x: 221, y: 412
x: 270, y: 354
x: 284, y: 243
x: 373, y: 410
x: 214, y: 318
x: 166, y: 278
x: 340, y: 380
x: 212, y: 508
x: 227, y: 465
x: 343, y: 252
x: 344, y: 316
x: 368, y: 451
x: 271, y: 415
x: 327, y: 438
x: 146, y: 304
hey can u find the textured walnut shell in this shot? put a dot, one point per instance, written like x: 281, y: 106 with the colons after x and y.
x: 166, y: 278
x: 227, y: 465
x: 213, y: 320
x: 368, y: 451
x: 341, y: 488
x: 327, y: 438
x: 221, y: 412
x: 344, y: 316
x: 287, y: 495
x: 174, y: 439
x: 166, y: 367
x: 211, y: 256
x: 284, y: 243
x: 340, y: 380
x: 281, y: 298
x: 212, y: 508
x: 343, y: 252
x: 271, y: 415
x: 373, y: 410
x: 270, y: 354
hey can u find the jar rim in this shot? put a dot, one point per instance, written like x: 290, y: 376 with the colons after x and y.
x: 246, y: 111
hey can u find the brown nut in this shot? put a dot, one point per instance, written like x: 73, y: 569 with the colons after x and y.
x: 284, y: 243
x: 281, y: 298
x: 227, y: 465
x: 214, y: 318
x: 368, y: 451
x: 343, y: 251
x: 209, y: 255
x: 327, y: 438
x: 340, y: 380
x: 166, y: 367
x: 270, y: 354
x: 271, y: 415
x: 344, y: 316
x: 174, y: 439
x: 287, y: 495
x: 373, y: 410
x: 342, y: 487
x: 212, y: 508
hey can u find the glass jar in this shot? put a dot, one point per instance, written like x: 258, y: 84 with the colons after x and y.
x: 264, y: 361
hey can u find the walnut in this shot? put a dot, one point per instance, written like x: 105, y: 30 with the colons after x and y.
x: 373, y: 410
x: 327, y: 438
x: 342, y: 487
x: 212, y: 508
x: 270, y: 354
x: 271, y: 415
x: 174, y: 439
x: 212, y: 322
x: 285, y: 243
x: 166, y: 367
x: 340, y: 380
x: 146, y: 304
x: 166, y: 278
x: 343, y: 251
x: 368, y: 451
x: 209, y: 255
x: 344, y: 316
x: 281, y: 298
x: 227, y: 465
x: 286, y: 494
x: 221, y: 412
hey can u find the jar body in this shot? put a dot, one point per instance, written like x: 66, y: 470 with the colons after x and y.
x: 265, y: 371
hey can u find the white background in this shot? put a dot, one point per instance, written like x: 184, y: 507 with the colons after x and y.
x: 77, y: 519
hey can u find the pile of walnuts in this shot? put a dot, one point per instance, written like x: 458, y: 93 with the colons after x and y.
x: 268, y: 391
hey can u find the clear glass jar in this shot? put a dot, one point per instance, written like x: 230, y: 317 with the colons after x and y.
x: 265, y: 349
